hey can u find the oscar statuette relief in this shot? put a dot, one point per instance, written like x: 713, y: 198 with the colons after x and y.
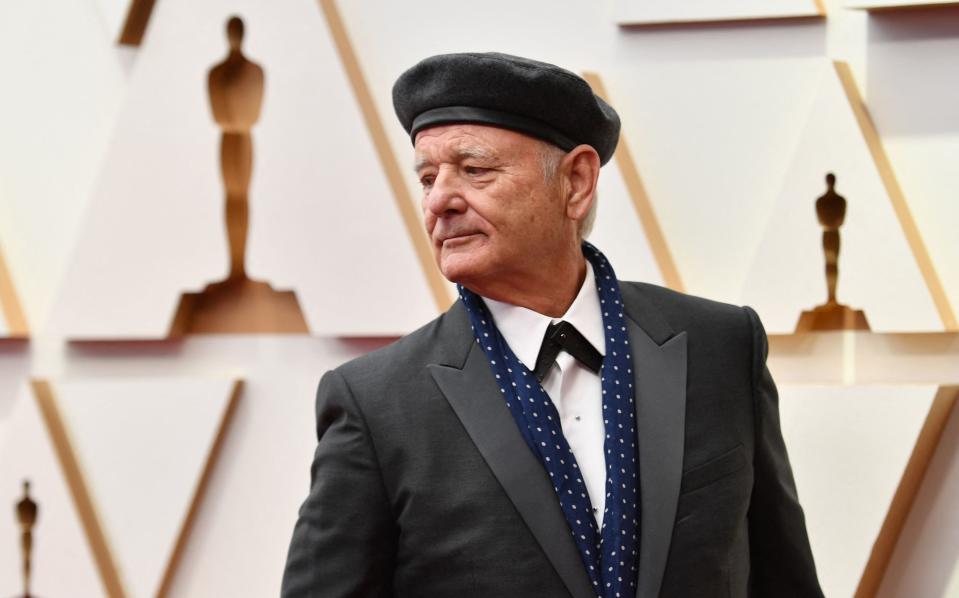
x: 237, y: 304
x: 27, y: 512
x: 831, y: 315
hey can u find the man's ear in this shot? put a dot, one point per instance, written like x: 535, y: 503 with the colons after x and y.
x: 581, y: 167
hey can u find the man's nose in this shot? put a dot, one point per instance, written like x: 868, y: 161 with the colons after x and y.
x: 445, y: 194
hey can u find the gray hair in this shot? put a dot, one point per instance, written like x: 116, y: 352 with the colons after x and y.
x: 550, y: 156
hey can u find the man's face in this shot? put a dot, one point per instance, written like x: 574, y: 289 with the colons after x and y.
x: 489, y: 212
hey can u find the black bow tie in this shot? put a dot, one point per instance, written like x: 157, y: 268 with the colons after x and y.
x: 563, y: 336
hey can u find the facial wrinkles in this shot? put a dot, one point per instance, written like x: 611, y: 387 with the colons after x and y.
x: 512, y: 207
x: 458, y: 155
x: 442, y: 159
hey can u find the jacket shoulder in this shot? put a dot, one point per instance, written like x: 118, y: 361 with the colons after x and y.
x: 689, y: 312
x: 444, y: 340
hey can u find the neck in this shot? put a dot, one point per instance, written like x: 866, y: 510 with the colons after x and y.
x: 549, y: 291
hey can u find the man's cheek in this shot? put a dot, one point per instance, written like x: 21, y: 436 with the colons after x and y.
x: 429, y: 221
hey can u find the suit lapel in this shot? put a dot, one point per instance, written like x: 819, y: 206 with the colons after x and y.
x: 659, y: 358
x: 659, y: 371
x: 472, y: 392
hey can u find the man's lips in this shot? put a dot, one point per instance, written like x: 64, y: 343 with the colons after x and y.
x: 461, y: 237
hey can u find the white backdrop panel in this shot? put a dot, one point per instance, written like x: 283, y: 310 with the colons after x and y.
x: 913, y: 88
x: 262, y: 477
x: 142, y: 444
x: 62, y: 562
x: 113, y: 15
x: 712, y: 140
x: 14, y: 369
x: 878, y: 272
x: 618, y: 232
x: 925, y: 561
x: 849, y: 447
x: 645, y: 12
x: 323, y: 221
x: 62, y: 85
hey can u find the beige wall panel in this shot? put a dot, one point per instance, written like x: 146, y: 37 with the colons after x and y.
x: 246, y: 520
x: 14, y: 369
x: 851, y: 357
x: 912, y: 87
x: 849, y: 447
x: 62, y: 562
x: 143, y: 445
x: 712, y: 168
x: 238, y: 540
x: 62, y: 86
x: 926, y: 559
x: 263, y: 476
x: 113, y: 15
x: 323, y: 220
x: 878, y: 271
x: 651, y: 12
x: 618, y: 231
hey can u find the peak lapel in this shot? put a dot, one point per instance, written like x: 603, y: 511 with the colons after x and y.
x: 476, y: 400
x: 659, y: 371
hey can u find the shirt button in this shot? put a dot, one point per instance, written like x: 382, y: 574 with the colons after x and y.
x: 578, y: 418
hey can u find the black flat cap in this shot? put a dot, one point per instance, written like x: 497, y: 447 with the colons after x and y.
x: 531, y: 97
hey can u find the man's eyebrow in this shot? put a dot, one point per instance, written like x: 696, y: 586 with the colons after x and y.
x: 419, y: 164
x: 475, y: 153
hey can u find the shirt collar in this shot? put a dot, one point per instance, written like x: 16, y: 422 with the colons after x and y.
x: 524, y: 329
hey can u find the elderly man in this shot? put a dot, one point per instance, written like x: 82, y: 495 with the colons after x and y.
x: 558, y: 432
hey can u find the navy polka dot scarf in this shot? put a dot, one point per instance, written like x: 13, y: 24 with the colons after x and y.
x: 610, y: 554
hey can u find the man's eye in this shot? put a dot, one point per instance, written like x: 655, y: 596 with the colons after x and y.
x: 427, y: 181
x: 475, y: 170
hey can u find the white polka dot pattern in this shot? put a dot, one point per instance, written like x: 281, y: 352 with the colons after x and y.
x: 610, y: 554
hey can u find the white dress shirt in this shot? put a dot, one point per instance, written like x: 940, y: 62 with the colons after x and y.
x: 575, y: 390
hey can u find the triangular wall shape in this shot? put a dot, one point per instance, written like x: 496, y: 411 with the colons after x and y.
x: 878, y: 271
x: 260, y: 482
x: 619, y: 233
x: 63, y: 564
x: 856, y: 454
x: 63, y: 88
x: 323, y: 220
x: 113, y: 15
x: 146, y: 447
x: 629, y: 231
x: 708, y: 177
x: 925, y: 559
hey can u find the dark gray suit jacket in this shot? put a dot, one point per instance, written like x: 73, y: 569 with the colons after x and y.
x: 422, y: 485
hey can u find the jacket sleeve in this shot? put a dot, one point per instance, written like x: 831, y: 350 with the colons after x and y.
x: 344, y: 539
x: 781, y: 561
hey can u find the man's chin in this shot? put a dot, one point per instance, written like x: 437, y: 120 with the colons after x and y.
x: 459, y: 269
x: 456, y: 275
